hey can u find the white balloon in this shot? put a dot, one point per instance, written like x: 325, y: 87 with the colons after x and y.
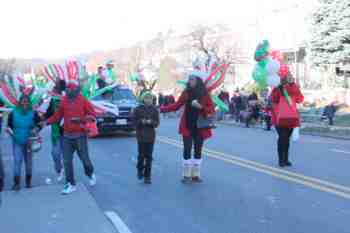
x: 273, y: 80
x: 272, y: 67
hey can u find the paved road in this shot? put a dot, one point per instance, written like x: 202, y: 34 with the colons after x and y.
x: 243, y: 190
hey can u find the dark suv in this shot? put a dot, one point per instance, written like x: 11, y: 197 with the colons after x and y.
x: 115, y: 109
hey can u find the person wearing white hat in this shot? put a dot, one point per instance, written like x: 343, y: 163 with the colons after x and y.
x: 198, y: 104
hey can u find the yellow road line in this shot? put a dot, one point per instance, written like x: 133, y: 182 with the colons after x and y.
x: 318, y: 184
x: 289, y: 173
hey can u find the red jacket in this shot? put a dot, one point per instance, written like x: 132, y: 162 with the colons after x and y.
x: 68, y: 109
x: 207, y: 110
x: 294, y: 93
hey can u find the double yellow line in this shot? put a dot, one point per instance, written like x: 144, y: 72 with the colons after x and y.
x: 321, y: 185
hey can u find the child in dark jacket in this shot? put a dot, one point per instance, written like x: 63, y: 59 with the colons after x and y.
x: 147, y: 119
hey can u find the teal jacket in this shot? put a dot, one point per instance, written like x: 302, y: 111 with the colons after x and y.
x: 22, y: 122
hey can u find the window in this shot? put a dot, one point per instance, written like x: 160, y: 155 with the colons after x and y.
x: 120, y: 94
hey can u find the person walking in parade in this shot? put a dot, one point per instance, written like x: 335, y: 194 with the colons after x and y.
x: 23, y: 121
x: 285, y: 117
x: 198, y: 104
x: 147, y: 119
x: 57, y: 129
x: 101, y: 81
x: 238, y: 104
x: 75, y: 110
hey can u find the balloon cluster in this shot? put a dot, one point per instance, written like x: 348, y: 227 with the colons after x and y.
x: 270, y: 68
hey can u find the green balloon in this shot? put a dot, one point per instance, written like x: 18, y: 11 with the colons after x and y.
x: 260, y: 76
x: 263, y: 63
x: 262, y: 49
x: 219, y: 103
x: 135, y: 77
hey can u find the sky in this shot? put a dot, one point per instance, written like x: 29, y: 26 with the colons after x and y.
x: 63, y: 28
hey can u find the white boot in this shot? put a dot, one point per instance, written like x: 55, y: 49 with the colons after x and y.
x: 187, y: 170
x: 196, y: 170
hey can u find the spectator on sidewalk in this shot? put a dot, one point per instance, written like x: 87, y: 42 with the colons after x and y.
x: 57, y: 129
x: 147, y: 119
x: 224, y: 96
x: 238, y: 104
x: 160, y: 99
x: 267, y: 111
x: 23, y: 121
x: 329, y: 113
x: 76, y: 111
x: 253, y: 109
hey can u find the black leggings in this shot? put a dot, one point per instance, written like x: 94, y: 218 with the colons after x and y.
x: 144, y: 160
x: 197, y: 140
x: 283, y: 143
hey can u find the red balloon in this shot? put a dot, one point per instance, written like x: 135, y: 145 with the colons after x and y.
x: 277, y: 55
x: 283, y: 72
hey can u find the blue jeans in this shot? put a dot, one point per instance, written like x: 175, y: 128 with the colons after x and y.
x: 21, y: 153
x: 57, y: 154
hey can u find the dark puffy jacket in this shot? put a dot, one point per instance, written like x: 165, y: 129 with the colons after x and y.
x: 146, y: 132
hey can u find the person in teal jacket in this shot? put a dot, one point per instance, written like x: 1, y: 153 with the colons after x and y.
x: 22, y: 123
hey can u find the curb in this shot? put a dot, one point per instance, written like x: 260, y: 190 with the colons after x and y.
x: 301, y: 131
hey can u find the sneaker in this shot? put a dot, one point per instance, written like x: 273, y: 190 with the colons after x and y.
x: 140, y: 174
x: 16, y: 187
x: 289, y: 164
x: 68, y: 188
x: 186, y: 180
x: 92, y: 180
x: 60, y: 176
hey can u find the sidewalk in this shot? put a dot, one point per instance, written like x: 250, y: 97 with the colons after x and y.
x: 44, y: 210
x: 322, y: 130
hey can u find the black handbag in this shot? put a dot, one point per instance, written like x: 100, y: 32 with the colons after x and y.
x: 206, y: 122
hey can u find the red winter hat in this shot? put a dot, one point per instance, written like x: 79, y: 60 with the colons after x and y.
x: 72, y: 85
x: 283, y: 72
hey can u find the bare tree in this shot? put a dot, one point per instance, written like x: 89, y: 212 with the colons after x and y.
x: 217, y: 41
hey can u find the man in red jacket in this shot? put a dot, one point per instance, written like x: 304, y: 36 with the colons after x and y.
x: 75, y: 111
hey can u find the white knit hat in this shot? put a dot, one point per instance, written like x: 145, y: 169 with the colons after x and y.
x: 200, y: 74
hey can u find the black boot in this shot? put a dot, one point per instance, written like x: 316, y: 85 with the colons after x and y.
x: 140, y: 167
x: 281, y: 160
x: 29, y: 181
x: 286, y: 159
x: 16, y: 186
x: 1, y: 184
x: 148, y: 170
x: 148, y: 180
